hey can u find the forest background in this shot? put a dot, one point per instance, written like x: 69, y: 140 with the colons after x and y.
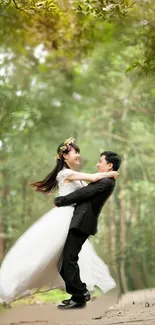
x: 83, y: 69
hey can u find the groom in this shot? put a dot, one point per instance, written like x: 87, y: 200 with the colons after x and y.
x: 89, y: 202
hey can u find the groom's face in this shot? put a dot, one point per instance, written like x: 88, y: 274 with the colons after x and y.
x: 103, y: 165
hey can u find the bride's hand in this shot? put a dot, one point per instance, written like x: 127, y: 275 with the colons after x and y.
x: 116, y: 174
x: 113, y: 174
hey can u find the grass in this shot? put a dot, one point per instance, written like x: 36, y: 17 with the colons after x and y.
x: 53, y: 296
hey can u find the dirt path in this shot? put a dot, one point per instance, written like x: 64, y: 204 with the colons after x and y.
x: 136, y: 308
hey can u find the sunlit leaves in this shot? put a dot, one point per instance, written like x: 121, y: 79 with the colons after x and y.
x: 68, y: 27
x: 71, y: 29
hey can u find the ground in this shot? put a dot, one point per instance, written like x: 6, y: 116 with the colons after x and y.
x: 134, y: 308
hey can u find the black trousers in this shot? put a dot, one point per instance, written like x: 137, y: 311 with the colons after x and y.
x: 70, y: 270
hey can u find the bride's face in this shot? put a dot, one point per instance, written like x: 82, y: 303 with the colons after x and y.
x: 72, y: 158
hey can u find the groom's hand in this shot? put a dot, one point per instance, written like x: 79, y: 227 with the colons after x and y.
x: 58, y: 201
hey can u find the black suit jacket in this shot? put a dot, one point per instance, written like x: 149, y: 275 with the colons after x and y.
x: 90, y: 200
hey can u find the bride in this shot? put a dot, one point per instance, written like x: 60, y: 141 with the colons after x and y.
x: 33, y: 263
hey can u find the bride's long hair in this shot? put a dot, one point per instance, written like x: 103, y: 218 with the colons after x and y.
x: 49, y: 183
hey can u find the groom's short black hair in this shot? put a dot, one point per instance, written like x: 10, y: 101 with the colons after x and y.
x: 112, y: 157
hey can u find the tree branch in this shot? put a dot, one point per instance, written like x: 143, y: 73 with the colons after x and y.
x: 20, y: 8
x: 16, y: 5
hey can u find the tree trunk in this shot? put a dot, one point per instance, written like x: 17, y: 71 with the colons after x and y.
x: 136, y: 278
x: 5, y: 194
x: 112, y: 228
x: 24, y: 197
x: 123, y: 209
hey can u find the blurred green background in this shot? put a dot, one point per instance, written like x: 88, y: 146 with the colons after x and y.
x: 83, y: 69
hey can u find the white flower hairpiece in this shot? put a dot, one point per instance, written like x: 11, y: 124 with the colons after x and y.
x: 66, y: 146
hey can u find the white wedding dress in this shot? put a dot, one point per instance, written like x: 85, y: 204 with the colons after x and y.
x: 32, y: 264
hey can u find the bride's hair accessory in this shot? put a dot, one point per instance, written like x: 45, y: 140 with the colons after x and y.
x: 65, y: 147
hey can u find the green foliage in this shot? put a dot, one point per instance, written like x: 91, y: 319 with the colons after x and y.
x: 70, y: 29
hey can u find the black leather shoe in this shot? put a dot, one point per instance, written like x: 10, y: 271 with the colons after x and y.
x: 86, y: 294
x: 72, y: 304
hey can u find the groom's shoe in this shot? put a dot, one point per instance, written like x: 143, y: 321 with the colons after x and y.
x: 86, y: 294
x: 72, y: 304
